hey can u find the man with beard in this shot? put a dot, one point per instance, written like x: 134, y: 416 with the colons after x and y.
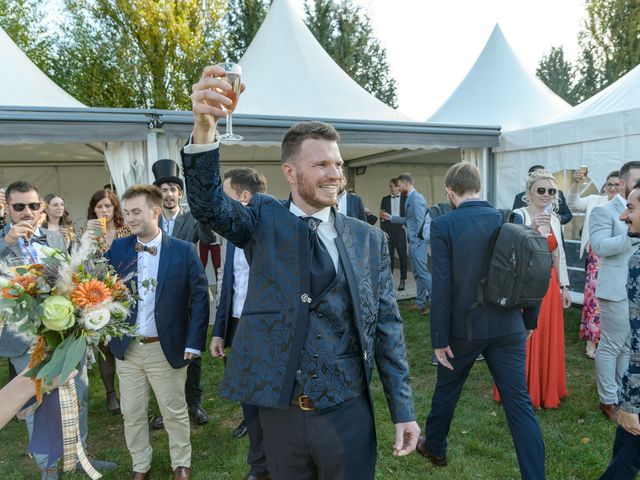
x: 179, y: 223
x: 320, y: 305
x: 625, y: 462
x: 21, y: 241
x: 613, y: 246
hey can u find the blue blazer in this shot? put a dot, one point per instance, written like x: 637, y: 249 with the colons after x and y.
x: 459, y: 242
x: 182, y: 297
x: 221, y: 327
x: 261, y: 368
x: 355, y: 207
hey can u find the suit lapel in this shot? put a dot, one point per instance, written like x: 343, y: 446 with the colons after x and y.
x: 166, y: 253
x: 346, y: 253
x: 178, y: 224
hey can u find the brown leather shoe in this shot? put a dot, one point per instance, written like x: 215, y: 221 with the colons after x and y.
x: 414, y: 307
x: 425, y: 311
x: 609, y: 410
x: 182, y: 473
x: 422, y: 449
x: 140, y: 476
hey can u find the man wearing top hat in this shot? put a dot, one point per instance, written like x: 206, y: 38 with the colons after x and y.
x: 179, y: 223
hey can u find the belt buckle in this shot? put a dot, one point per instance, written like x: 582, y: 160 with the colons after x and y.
x: 302, y: 403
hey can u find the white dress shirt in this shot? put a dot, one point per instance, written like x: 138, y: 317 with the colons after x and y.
x: 342, y: 203
x: 326, y: 230
x: 240, y: 282
x: 395, y: 205
x: 147, y: 271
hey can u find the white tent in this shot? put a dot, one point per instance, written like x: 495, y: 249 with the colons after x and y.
x: 292, y: 75
x: 499, y: 90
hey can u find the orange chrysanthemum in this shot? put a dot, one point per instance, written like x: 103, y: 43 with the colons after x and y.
x: 91, y: 293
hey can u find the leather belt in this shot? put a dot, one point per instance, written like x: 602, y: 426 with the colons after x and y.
x: 146, y: 340
x: 304, y: 402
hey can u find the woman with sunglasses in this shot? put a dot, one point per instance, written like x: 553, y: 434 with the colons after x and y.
x: 590, y: 320
x: 57, y: 217
x: 546, y: 375
x: 104, y: 209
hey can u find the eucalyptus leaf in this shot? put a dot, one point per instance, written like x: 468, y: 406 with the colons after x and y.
x: 74, y: 355
x: 54, y: 366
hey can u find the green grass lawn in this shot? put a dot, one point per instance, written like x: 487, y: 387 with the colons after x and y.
x: 578, y: 439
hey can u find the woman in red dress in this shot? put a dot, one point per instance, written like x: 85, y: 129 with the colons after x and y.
x: 546, y: 375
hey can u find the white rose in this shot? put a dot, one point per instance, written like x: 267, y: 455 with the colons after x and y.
x: 5, y: 282
x: 48, y: 251
x: 95, y: 319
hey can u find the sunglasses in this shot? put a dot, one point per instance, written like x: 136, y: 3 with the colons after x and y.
x: 18, y: 207
x: 542, y: 191
x: 612, y: 185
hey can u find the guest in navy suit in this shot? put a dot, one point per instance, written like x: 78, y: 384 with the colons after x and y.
x: 459, y: 242
x: 170, y: 318
x: 240, y: 184
x: 394, y: 204
x: 320, y: 306
x: 350, y: 204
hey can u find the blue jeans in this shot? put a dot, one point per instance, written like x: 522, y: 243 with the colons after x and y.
x: 418, y: 252
x: 625, y: 462
x: 82, y: 390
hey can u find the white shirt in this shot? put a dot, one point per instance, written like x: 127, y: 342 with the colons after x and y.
x: 240, y: 282
x: 395, y: 205
x: 326, y: 230
x: 147, y: 270
x: 342, y: 203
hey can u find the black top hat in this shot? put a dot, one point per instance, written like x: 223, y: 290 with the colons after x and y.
x: 166, y: 171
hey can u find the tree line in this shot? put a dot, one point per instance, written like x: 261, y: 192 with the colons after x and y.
x: 609, y: 48
x: 147, y: 53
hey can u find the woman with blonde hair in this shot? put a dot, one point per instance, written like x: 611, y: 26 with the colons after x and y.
x: 546, y: 373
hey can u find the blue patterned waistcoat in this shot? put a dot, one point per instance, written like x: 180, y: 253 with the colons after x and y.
x: 331, y: 369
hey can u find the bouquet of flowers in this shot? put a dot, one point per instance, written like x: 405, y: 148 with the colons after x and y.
x: 68, y: 301
x: 64, y: 303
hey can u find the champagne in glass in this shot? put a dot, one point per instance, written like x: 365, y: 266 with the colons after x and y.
x: 233, y: 76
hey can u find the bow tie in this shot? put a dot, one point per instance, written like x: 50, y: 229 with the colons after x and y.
x: 395, y: 196
x: 143, y: 248
x: 41, y: 239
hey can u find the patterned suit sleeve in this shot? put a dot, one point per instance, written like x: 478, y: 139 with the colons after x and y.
x: 630, y: 392
x: 208, y: 202
x: 390, y: 347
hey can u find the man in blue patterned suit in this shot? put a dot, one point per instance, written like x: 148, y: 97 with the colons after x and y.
x: 625, y: 463
x: 320, y: 307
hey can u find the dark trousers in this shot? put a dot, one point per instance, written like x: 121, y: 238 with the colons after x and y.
x: 625, y: 462
x: 256, y: 458
x: 192, y: 390
x: 505, y: 357
x: 336, y: 443
x: 398, y: 242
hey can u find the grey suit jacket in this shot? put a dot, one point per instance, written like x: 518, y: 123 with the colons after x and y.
x: 613, y: 246
x: 12, y: 345
x: 188, y: 229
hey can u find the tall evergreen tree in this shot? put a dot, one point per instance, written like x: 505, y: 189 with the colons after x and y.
x: 345, y: 32
x: 243, y: 21
x: 558, y: 74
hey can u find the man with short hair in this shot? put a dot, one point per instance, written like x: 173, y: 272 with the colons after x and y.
x: 563, y: 209
x: 179, y: 223
x: 416, y: 211
x: 21, y: 242
x: 394, y: 204
x: 625, y: 461
x: 609, y: 240
x: 239, y: 184
x: 170, y: 318
x: 320, y: 307
x: 459, y: 241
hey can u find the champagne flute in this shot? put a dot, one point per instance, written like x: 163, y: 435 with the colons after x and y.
x: 232, y: 75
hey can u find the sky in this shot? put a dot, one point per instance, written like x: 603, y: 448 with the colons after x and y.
x: 432, y: 44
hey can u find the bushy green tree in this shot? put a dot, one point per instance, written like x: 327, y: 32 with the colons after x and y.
x: 345, y: 32
x: 558, y: 74
x: 243, y: 21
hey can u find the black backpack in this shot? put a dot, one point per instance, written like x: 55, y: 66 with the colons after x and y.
x: 517, y: 266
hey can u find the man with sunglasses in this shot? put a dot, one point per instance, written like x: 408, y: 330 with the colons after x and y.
x: 21, y: 242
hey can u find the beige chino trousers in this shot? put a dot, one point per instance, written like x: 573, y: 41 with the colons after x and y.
x: 145, y: 366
